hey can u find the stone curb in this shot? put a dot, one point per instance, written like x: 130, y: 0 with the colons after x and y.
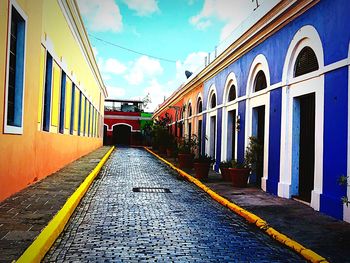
x: 306, y: 253
x: 41, y: 245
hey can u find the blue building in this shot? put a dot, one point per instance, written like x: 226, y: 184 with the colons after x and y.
x: 284, y: 79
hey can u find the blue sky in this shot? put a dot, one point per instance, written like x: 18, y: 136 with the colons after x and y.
x: 182, y: 31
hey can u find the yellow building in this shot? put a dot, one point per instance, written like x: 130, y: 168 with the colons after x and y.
x: 52, y: 93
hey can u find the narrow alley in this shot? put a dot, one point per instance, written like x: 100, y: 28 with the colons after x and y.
x: 116, y: 223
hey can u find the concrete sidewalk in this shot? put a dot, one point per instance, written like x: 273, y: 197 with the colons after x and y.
x: 26, y: 213
x: 323, y: 234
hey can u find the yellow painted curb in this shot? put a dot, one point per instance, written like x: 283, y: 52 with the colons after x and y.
x: 37, y: 250
x: 250, y: 217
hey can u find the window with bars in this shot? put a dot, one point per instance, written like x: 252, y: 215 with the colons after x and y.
x: 213, y: 101
x: 199, y: 106
x: 189, y: 110
x: 306, y: 62
x: 260, y: 81
x: 15, y: 77
x: 232, y: 93
x: 71, y: 126
x: 47, y: 94
x: 62, y: 102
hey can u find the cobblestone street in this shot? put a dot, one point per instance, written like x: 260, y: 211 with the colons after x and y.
x: 115, y: 223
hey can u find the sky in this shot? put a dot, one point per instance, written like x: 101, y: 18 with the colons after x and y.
x: 168, y: 36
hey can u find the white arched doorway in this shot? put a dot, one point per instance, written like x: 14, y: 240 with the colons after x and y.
x: 211, y: 127
x: 229, y: 117
x: 301, y: 167
x: 257, y: 115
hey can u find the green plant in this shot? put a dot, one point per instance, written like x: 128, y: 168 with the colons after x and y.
x: 204, y: 159
x: 343, y: 181
x: 225, y: 164
x: 252, y: 154
x: 188, y: 144
x: 238, y: 165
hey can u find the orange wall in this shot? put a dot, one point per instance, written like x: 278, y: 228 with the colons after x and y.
x: 25, y: 159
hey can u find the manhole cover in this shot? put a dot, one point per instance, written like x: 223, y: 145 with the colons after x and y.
x: 150, y: 190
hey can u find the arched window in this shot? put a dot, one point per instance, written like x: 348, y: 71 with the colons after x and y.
x: 306, y: 62
x: 260, y: 81
x: 199, y: 106
x: 189, y: 110
x: 232, y: 93
x: 213, y: 101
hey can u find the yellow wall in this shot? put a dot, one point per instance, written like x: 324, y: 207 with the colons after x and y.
x: 33, y: 155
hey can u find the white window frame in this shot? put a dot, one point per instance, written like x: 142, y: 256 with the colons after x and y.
x: 257, y: 99
x: 9, y: 128
x: 294, y: 87
x: 211, y: 112
x: 227, y: 107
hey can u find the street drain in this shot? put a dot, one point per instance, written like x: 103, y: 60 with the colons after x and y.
x: 237, y: 193
x: 150, y: 190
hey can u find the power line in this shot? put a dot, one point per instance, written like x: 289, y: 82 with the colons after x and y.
x: 131, y: 50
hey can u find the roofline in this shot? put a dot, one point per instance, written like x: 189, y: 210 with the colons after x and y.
x: 281, y: 14
x: 71, y: 10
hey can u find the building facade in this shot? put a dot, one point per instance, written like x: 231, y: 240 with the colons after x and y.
x: 125, y: 123
x: 284, y: 80
x: 52, y: 92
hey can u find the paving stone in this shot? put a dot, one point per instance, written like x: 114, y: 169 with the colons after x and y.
x: 26, y: 213
x: 113, y: 223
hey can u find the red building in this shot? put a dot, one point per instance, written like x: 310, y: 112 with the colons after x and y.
x: 124, y: 122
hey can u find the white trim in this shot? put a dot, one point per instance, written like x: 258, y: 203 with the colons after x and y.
x: 211, y: 113
x: 126, y: 124
x: 346, y: 209
x: 8, y: 128
x: 60, y: 61
x: 257, y: 99
x: 295, y: 87
x: 227, y: 107
x: 71, y: 22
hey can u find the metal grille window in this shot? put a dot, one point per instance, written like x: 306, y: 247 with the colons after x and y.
x: 260, y: 81
x: 306, y: 62
x: 232, y: 93
x: 15, y: 84
x: 71, y: 126
x: 47, y: 94
x: 213, y: 101
x: 199, y: 106
x: 189, y: 110
x: 62, y: 102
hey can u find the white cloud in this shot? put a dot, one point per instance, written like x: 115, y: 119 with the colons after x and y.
x: 232, y: 12
x: 115, y: 92
x: 143, y: 7
x: 114, y: 66
x: 101, y: 15
x: 143, y: 67
x: 157, y: 93
x: 192, y: 62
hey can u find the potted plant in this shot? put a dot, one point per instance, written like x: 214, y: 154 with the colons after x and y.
x: 202, y: 165
x: 186, y: 147
x: 240, y: 171
x: 170, y: 145
x: 224, y: 165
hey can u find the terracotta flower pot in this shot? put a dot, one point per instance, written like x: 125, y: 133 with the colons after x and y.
x: 225, y: 174
x: 169, y: 152
x: 162, y: 149
x: 239, y: 177
x: 201, y: 171
x: 185, y: 160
